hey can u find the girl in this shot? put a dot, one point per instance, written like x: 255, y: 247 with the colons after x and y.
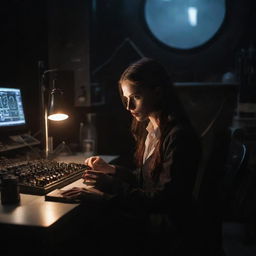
x: 167, y: 157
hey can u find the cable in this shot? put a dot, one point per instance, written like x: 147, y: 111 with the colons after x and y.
x: 126, y: 40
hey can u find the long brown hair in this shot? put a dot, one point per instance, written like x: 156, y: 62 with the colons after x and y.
x: 149, y: 73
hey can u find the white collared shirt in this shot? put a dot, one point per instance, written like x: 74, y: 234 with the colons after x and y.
x: 151, y: 141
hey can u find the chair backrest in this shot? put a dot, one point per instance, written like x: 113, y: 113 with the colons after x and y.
x: 211, y: 109
x: 212, y: 113
x: 236, y: 174
x: 236, y: 160
x: 211, y: 171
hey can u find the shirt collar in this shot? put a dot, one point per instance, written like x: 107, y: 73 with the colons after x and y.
x: 152, y: 131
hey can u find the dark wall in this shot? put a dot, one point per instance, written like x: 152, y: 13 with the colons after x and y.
x: 87, y: 40
x: 114, y: 21
x: 117, y: 20
x: 23, y: 29
x: 68, y: 51
x: 56, y: 33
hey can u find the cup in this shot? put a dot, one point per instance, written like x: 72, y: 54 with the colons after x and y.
x: 10, y: 193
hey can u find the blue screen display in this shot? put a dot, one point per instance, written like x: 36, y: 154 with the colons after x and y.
x: 11, y: 107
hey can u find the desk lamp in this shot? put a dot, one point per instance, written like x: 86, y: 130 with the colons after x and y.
x: 55, y: 99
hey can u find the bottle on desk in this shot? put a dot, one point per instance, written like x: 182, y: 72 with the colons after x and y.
x: 88, y: 136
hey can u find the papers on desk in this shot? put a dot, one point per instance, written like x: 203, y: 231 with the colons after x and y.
x: 56, y: 195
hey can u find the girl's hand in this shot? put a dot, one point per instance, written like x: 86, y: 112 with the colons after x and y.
x: 99, y: 176
x: 98, y: 180
x: 99, y: 165
x: 80, y: 193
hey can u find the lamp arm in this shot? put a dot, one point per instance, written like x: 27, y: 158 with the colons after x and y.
x: 44, y: 109
x: 46, y: 136
x: 44, y: 114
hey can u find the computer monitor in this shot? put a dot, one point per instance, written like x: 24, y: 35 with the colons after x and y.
x: 12, y: 116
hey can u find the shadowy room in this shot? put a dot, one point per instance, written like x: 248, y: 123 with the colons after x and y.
x: 76, y: 51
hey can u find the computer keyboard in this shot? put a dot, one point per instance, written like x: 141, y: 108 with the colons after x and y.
x: 39, y: 177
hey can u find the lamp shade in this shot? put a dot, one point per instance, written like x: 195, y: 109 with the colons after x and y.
x: 56, y: 109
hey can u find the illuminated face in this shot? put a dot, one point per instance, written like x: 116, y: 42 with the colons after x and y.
x: 139, y: 101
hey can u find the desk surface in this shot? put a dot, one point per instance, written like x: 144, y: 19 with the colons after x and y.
x: 33, y: 210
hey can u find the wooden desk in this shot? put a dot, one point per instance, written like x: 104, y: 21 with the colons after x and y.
x: 44, y: 228
x: 34, y: 226
x: 34, y: 211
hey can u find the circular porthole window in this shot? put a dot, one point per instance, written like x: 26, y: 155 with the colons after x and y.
x: 184, y: 24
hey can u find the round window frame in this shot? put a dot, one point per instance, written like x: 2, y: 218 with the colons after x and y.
x: 142, y: 14
x: 197, y: 63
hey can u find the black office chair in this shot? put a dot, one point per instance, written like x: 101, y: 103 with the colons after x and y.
x: 217, y: 190
x: 211, y: 109
x: 238, y: 190
x: 207, y: 191
x: 235, y: 174
x: 208, y: 194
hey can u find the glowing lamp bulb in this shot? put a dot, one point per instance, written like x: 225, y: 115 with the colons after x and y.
x: 58, y: 117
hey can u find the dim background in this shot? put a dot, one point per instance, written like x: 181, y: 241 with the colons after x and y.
x: 92, y: 41
x: 87, y: 41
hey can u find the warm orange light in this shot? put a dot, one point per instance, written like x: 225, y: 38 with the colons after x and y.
x: 58, y: 117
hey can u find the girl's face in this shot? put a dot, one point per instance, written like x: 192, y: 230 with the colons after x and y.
x: 139, y: 101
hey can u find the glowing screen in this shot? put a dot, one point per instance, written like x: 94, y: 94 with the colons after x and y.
x: 11, y: 107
